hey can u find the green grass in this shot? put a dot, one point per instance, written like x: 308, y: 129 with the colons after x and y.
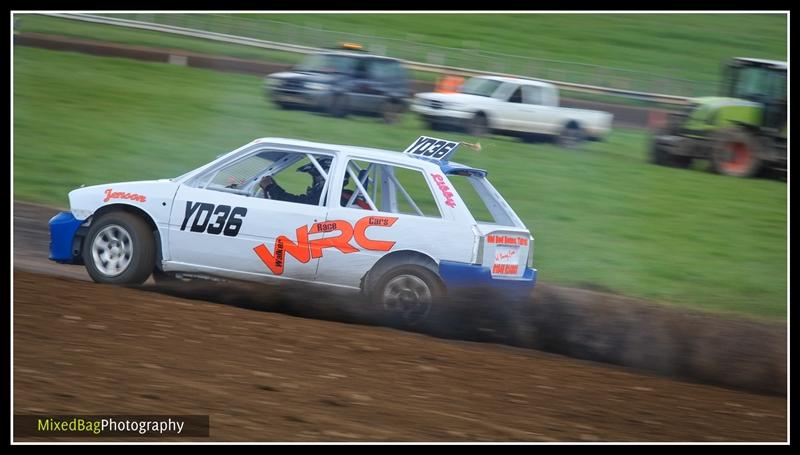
x: 601, y: 216
x: 689, y: 46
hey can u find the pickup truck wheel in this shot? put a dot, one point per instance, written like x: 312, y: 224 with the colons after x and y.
x: 408, y: 294
x: 119, y: 249
x: 479, y: 125
x: 571, y: 136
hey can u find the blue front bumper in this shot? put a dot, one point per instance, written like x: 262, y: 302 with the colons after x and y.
x: 62, y: 235
x: 458, y: 276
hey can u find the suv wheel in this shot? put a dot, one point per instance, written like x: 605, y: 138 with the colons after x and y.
x: 337, y: 106
x: 390, y: 111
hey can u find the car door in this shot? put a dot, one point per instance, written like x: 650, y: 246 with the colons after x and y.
x: 505, y: 103
x: 212, y: 229
x: 534, y: 115
x: 369, y: 89
x: 424, y: 225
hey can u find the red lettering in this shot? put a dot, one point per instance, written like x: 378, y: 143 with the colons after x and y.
x: 361, y: 236
x: 448, y: 195
x: 110, y: 194
x: 341, y: 242
x: 304, y: 250
x: 276, y: 262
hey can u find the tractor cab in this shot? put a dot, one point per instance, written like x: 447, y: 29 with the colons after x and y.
x: 760, y: 81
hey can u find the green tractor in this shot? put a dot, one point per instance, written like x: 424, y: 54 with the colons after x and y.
x: 741, y: 133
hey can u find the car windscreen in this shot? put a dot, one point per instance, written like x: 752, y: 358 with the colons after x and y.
x: 480, y: 86
x: 327, y: 63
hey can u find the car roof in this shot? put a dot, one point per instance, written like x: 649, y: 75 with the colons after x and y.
x: 777, y: 64
x: 517, y: 80
x: 447, y: 167
x: 358, y: 55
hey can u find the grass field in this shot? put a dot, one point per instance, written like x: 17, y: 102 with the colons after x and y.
x: 602, y: 217
x: 689, y: 46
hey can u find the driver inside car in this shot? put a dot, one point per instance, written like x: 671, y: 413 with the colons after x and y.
x: 274, y: 191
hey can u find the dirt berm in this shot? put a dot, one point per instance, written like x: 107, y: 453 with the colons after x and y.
x: 83, y: 348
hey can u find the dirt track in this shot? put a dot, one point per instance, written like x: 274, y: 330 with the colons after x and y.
x: 266, y: 368
x: 84, y: 348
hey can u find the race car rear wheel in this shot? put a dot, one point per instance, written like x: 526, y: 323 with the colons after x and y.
x: 119, y: 249
x: 408, y: 294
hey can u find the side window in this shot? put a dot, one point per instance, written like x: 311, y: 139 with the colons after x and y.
x: 516, y: 97
x: 294, y: 177
x: 531, y: 94
x: 362, y: 68
x: 239, y: 173
x: 385, y: 70
x: 392, y: 189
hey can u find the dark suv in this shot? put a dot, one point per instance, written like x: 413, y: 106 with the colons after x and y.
x: 343, y: 82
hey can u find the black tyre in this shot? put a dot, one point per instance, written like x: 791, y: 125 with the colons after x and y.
x: 735, y: 152
x: 571, y: 136
x: 337, y: 106
x: 434, y: 125
x: 659, y: 156
x: 479, y: 125
x: 408, y: 294
x: 119, y: 249
x: 391, y: 111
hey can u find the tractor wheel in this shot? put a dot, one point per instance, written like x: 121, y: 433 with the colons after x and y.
x: 736, y: 153
x: 661, y: 157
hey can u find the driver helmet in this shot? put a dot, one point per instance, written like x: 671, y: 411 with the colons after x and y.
x: 325, y: 163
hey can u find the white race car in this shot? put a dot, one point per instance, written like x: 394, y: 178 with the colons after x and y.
x: 404, y: 228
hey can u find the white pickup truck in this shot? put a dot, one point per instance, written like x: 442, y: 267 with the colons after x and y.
x: 519, y: 106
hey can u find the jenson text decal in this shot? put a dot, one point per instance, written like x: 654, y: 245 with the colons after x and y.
x: 111, y: 194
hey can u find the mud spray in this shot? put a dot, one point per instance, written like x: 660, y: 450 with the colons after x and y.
x: 679, y: 343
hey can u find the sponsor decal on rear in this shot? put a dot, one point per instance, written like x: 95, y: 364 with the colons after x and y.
x: 303, y: 249
x: 506, y: 240
x: 111, y: 194
x: 506, y: 253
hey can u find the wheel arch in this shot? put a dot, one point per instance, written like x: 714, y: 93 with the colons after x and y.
x: 134, y: 210
x: 395, y: 258
x: 573, y: 123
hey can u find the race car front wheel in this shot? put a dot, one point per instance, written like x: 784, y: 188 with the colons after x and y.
x: 408, y: 294
x: 119, y: 249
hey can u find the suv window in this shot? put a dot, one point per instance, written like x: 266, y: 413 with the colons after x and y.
x: 329, y: 63
x: 386, y: 70
x: 392, y: 189
x: 516, y: 97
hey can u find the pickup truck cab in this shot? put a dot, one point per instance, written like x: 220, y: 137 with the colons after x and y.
x: 519, y: 106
